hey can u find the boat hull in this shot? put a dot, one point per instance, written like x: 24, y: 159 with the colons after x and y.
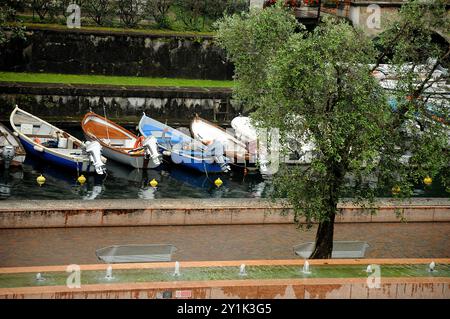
x: 200, y: 165
x: 129, y: 160
x: 240, y: 158
x: 191, y: 160
x: 56, y: 159
x: 97, y: 128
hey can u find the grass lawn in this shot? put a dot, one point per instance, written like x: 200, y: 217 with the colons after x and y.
x: 54, y: 26
x: 109, y: 80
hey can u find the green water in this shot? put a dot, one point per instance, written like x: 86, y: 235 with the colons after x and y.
x: 221, y: 273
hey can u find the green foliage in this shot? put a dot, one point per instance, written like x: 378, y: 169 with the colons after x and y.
x: 159, y: 10
x: 190, y: 13
x: 318, y: 87
x: 251, y: 39
x: 195, y: 14
x: 63, y: 4
x: 215, y: 9
x: 408, y: 45
x: 409, y: 38
x: 44, y: 8
x: 10, y: 26
x: 99, y: 10
x: 131, y: 12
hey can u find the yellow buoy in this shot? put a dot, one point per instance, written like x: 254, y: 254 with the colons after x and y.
x: 81, y: 179
x: 153, y: 183
x: 218, y: 182
x: 40, y: 180
x: 427, y: 180
x: 396, y: 190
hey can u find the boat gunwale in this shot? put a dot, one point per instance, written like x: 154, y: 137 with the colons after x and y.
x: 103, y: 144
x: 235, y: 140
x: 44, y: 148
x: 179, y: 152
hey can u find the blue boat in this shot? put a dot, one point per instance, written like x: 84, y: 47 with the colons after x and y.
x: 434, y: 111
x: 51, y: 144
x: 183, y: 149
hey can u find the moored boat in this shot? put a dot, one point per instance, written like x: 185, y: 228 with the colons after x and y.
x: 11, y: 151
x: 53, y: 145
x: 119, y: 144
x: 298, y: 150
x: 209, y: 133
x: 183, y: 149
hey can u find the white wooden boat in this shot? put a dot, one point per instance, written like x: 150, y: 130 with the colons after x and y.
x: 53, y: 145
x: 209, y: 133
x: 244, y: 129
x: 119, y: 144
x: 299, y: 149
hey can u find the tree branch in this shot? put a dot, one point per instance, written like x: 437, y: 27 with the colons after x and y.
x: 389, y: 47
x: 421, y: 87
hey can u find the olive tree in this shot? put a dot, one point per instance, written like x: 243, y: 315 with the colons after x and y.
x: 64, y: 4
x: 131, y: 12
x: 318, y: 86
x: 10, y: 26
x: 190, y: 13
x: 159, y: 9
x: 99, y: 10
x: 44, y: 8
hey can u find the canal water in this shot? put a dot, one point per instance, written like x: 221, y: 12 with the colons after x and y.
x: 122, y: 182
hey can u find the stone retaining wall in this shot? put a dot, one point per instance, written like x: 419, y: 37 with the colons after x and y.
x: 65, y: 102
x: 116, y: 53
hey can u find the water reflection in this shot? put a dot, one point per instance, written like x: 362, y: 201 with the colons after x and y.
x: 125, y: 182
x: 128, y: 183
x: 8, y: 178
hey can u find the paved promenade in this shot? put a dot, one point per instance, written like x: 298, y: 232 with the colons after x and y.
x: 53, y: 246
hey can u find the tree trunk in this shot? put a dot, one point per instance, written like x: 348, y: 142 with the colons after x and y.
x: 324, y: 236
x: 324, y: 239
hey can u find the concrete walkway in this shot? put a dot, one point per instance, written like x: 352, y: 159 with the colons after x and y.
x: 33, y: 247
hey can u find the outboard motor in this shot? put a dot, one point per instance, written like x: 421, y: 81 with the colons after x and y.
x: 94, y: 149
x: 150, y: 147
x: 216, y: 150
x: 263, y: 160
x: 264, y: 166
x: 8, y: 154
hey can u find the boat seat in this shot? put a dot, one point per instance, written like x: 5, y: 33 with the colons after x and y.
x: 26, y: 128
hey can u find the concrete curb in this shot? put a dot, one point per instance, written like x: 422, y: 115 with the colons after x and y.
x: 164, y: 212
